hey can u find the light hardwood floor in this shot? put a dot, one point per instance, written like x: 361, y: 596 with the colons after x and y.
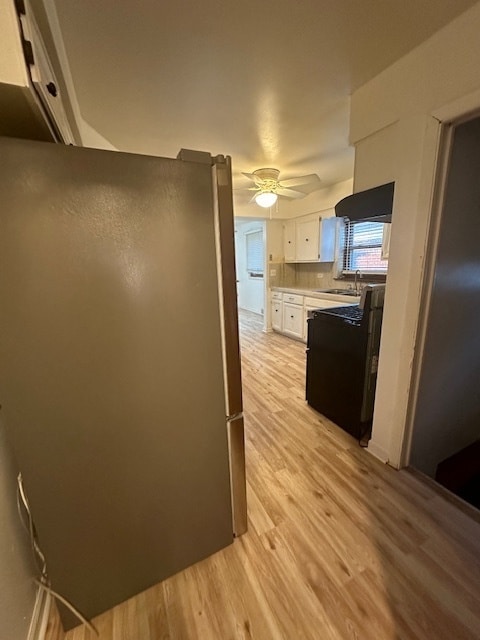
x: 339, y: 546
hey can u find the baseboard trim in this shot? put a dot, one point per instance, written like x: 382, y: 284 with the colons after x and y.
x: 41, y: 611
x: 447, y: 495
x: 378, y: 452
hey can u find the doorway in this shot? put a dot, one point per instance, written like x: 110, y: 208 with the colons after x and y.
x: 250, y: 264
x: 445, y: 441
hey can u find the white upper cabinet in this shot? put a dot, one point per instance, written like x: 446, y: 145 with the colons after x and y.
x: 328, y: 238
x: 310, y: 239
x: 307, y: 240
x: 289, y: 244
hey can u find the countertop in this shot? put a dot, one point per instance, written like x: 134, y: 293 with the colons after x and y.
x: 313, y: 293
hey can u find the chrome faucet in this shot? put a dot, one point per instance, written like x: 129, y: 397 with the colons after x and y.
x: 356, y: 286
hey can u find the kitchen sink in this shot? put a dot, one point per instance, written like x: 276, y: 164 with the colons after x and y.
x: 339, y: 292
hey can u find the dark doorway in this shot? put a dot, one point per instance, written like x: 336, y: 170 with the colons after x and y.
x: 447, y: 413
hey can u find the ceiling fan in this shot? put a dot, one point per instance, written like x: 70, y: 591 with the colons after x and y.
x: 268, y: 186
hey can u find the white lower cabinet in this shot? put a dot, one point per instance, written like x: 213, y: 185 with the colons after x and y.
x: 277, y: 310
x: 277, y: 319
x: 290, y: 312
x: 293, y: 319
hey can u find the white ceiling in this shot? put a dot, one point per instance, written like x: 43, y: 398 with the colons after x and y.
x: 267, y: 82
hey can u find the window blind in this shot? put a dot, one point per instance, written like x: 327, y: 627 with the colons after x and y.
x: 254, y: 240
x: 363, y: 247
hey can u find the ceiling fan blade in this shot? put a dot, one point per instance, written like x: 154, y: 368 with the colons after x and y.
x: 250, y: 176
x: 300, y: 180
x: 290, y: 193
x: 245, y: 189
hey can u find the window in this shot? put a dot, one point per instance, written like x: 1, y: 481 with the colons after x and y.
x: 363, y: 247
x: 254, y: 241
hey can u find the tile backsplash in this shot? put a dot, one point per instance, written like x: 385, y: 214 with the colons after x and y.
x: 314, y: 275
x: 308, y: 275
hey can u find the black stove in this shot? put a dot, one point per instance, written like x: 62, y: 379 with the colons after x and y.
x: 352, y: 313
x: 342, y: 360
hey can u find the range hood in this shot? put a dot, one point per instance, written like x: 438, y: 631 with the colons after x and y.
x: 374, y: 205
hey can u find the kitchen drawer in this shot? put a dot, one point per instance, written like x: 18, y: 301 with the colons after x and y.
x: 293, y: 320
x: 293, y: 298
x: 277, y: 295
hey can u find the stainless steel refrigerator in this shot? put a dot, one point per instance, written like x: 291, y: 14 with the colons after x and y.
x: 120, y: 376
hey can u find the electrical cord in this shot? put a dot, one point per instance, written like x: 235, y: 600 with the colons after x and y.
x: 68, y: 604
x: 35, y: 555
x: 38, y: 556
x: 43, y: 582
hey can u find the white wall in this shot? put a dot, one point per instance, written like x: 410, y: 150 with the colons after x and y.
x: 438, y: 71
x: 274, y: 260
x: 250, y: 290
x: 91, y: 138
x: 17, y: 590
x: 320, y: 200
x: 395, y: 128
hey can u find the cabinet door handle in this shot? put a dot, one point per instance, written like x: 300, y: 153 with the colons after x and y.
x: 306, y: 239
x: 291, y: 317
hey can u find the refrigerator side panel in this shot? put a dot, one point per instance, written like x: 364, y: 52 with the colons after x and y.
x: 112, y: 378
x: 222, y: 180
x: 236, y: 443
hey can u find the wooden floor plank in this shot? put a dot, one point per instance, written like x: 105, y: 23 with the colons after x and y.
x: 340, y: 546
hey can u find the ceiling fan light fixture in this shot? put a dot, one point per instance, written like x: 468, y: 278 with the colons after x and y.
x: 266, y: 199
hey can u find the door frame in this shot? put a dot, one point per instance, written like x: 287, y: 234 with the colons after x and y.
x: 245, y: 220
x: 449, y: 117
